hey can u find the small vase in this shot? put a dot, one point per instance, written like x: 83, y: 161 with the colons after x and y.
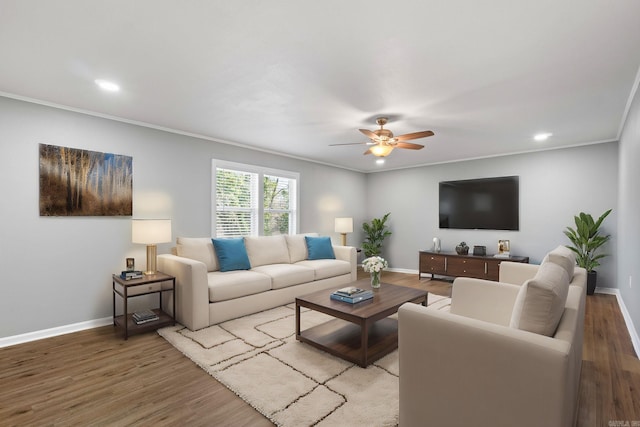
x: 375, y: 279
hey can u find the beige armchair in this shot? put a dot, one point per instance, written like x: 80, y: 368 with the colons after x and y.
x: 469, y: 367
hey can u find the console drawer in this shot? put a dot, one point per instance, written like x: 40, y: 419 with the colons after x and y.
x: 432, y: 263
x: 467, y: 267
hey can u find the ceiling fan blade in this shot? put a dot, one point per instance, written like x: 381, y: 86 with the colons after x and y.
x: 367, y: 152
x: 409, y: 145
x: 414, y: 135
x: 369, y: 134
x: 352, y: 143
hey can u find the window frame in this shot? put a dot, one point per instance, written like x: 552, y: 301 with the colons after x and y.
x: 261, y: 171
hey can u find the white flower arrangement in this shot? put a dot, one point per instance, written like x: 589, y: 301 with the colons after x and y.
x: 374, y: 264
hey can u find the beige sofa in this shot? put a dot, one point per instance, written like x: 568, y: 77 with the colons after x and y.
x: 280, y: 271
x: 482, y: 365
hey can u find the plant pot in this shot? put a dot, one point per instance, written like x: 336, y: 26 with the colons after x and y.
x: 592, y: 276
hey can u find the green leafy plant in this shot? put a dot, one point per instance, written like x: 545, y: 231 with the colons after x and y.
x: 586, y: 240
x: 376, y: 231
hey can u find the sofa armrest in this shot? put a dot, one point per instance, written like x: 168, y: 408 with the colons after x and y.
x: 192, y: 290
x: 348, y: 253
x: 483, y: 299
x: 517, y: 273
x: 456, y: 371
x: 579, y: 278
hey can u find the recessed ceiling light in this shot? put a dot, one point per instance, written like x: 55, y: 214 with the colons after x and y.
x: 380, y: 161
x: 107, y: 85
x: 542, y: 136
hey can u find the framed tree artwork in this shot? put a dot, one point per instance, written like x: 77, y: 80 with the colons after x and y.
x: 77, y: 182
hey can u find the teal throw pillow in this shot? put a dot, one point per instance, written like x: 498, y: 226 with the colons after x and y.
x: 232, y: 254
x: 319, y: 248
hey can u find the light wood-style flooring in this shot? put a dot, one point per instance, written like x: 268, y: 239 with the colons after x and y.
x: 94, y: 377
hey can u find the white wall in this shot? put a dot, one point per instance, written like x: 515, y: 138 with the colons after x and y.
x: 554, y: 186
x: 629, y: 215
x: 57, y: 270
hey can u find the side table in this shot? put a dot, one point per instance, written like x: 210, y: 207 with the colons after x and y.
x: 157, y: 283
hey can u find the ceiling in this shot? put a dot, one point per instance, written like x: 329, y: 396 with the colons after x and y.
x: 293, y: 76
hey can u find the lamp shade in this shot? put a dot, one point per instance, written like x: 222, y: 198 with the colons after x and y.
x: 151, y: 231
x: 344, y: 225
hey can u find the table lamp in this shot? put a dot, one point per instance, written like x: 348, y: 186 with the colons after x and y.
x: 151, y: 232
x: 344, y: 226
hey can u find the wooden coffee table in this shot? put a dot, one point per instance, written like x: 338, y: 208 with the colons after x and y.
x: 360, y: 333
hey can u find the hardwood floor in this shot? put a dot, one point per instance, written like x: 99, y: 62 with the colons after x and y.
x: 94, y: 377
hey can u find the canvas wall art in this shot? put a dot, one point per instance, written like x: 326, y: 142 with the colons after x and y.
x: 77, y: 182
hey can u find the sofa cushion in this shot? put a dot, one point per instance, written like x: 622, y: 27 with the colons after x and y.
x: 199, y: 249
x: 297, y: 245
x: 263, y: 250
x: 325, y: 268
x: 232, y: 254
x: 564, y: 257
x: 285, y: 275
x: 319, y: 248
x: 541, y: 300
x: 236, y: 284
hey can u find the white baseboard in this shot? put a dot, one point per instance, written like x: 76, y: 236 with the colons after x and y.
x: 52, y: 332
x: 402, y: 270
x: 635, y: 339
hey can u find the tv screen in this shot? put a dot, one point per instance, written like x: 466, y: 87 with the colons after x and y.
x: 483, y: 204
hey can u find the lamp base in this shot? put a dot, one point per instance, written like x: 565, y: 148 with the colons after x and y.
x: 152, y: 251
x: 344, y: 239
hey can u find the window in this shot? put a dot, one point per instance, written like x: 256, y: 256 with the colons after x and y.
x: 250, y: 200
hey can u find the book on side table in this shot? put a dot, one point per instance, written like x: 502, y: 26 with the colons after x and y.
x: 352, y: 295
x: 145, y: 316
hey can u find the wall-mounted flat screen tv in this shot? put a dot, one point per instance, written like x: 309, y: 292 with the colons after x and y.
x: 483, y: 204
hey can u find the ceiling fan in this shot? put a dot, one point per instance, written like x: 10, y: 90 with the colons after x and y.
x: 383, y: 142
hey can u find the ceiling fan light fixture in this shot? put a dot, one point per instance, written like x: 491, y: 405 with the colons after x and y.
x: 380, y: 150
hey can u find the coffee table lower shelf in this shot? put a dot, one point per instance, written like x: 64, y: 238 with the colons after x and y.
x: 343, y: 339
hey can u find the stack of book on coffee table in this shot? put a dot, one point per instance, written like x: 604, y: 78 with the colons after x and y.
x: 352, y: 295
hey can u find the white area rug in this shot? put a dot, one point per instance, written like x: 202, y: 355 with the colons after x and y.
x: 292, y: 383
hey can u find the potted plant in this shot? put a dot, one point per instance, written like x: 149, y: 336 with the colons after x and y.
x: 586, y: 240
x: 376, y: 232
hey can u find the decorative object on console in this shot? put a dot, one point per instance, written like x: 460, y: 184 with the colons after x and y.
x: 376, y: 232
x: 586, y: 240
x: 436, y: 244
x: 480, y: 250
x: 503, y: 249
x: 344, y: 226
x: 151, y: 232
x: 374, y: 265
x: 131, y: 264
x: 462, y: 248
